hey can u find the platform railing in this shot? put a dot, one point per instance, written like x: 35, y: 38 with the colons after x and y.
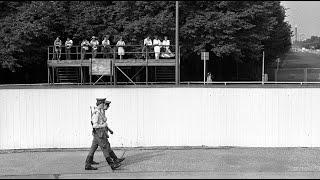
x: 131, y: 52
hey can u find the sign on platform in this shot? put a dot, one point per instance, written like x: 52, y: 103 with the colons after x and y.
x: 204, y: 56
x: 102, y: 67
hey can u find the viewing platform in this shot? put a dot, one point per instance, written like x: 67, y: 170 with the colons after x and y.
x: 107, y: 63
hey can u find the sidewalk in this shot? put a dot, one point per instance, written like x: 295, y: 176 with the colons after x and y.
x: 230, y: 162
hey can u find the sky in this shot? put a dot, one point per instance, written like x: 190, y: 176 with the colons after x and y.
x: 305, y: 15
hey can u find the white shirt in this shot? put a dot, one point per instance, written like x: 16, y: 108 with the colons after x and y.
x: 85, y: 44
x: 94, y: 44
x: 69, y: 43
x: 166, y: 42
x: 105, y: 42
x: 57, y: 42
x: 156, y: 42
x: 120, y: 43
x: 98, y: 118
x: 147, y: 41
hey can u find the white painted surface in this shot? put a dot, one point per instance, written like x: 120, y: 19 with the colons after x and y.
x: 253, y: 117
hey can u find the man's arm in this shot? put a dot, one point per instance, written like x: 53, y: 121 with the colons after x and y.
x: 108, y: 129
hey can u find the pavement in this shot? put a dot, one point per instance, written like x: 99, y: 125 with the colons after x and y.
x: 166, y: 162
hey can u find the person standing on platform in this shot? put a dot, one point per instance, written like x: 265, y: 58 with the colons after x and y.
x: 57, y: 48
x: 107, y: 52
x: 94, y: 44
x: 147, y: 42
x: 209, y: 77
x: 166, y: 45
x: 84, y: 48
x: 156, y: 44
x: 68, y: 44
x: 120, y: 44
x: 100, y: 137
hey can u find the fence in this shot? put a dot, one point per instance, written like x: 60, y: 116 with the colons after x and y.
x: 297, y: 74
x: 57, y: 117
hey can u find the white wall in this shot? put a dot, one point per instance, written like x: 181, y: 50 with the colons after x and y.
x: 256, y: 117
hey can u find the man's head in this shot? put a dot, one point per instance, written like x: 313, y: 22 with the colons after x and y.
x: 107, y: 105
x: 102, y: 103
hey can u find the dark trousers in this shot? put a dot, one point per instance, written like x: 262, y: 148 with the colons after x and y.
x: 146, y: 52
x: 57, y: 54
x: 104, y: 145
x: 94, y: 53
x: 107, y: 52
x: 83, y: 53
x: 68, y: 51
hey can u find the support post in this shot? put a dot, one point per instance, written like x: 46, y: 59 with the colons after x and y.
x: 147, y: 65
x: 204, y: 71
x: 177, y: 43
x: 53, y: 75
x: 48, y: 75
x: 90, y: 70
x: 263, y: 67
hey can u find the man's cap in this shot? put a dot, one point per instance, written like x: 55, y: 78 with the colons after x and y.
x: 93, y: 37
x: 102, y: 101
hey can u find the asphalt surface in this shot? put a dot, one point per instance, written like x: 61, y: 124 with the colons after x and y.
x: 189, y: 163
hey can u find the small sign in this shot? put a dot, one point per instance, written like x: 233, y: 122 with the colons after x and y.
x: 204, y: 56
x: 102, y: 67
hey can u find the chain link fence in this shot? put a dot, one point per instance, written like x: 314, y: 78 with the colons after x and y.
x: 297, y: 74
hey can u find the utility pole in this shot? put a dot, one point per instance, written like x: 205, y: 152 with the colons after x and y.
x: 177, y: 42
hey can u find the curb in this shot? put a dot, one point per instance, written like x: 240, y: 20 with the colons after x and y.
x: 8, y: 151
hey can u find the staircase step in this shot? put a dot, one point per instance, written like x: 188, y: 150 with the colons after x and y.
x: 67, y: 74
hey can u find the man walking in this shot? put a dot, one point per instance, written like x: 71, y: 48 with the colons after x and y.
x: 100, y: 137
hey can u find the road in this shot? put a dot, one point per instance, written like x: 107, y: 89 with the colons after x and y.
x: 184, y: 162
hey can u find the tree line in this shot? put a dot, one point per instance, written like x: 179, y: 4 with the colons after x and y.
x: 234, y: 32
x: 311, y: 43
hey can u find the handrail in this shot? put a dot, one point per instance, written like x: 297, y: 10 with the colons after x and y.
x: 150, y: 84
x: 130, y: 50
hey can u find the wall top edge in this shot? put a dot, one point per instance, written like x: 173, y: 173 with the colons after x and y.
x: 47, y: 86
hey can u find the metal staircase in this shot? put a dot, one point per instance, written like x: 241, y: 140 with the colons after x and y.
x: 165, y: 73
x: 68, y: 75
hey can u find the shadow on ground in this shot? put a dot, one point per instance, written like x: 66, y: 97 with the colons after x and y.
x: 134, y: 158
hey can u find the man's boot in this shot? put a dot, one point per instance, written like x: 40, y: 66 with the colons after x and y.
x: 88, y: 163
x: 112, y: 164
x: 90, y: 168
x: 93, y: 162
x: 115, y: 158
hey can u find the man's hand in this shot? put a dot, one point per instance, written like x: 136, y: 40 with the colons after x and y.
x: 110, y: 131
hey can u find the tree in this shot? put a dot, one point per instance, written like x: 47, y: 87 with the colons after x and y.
x: 233, y: 31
